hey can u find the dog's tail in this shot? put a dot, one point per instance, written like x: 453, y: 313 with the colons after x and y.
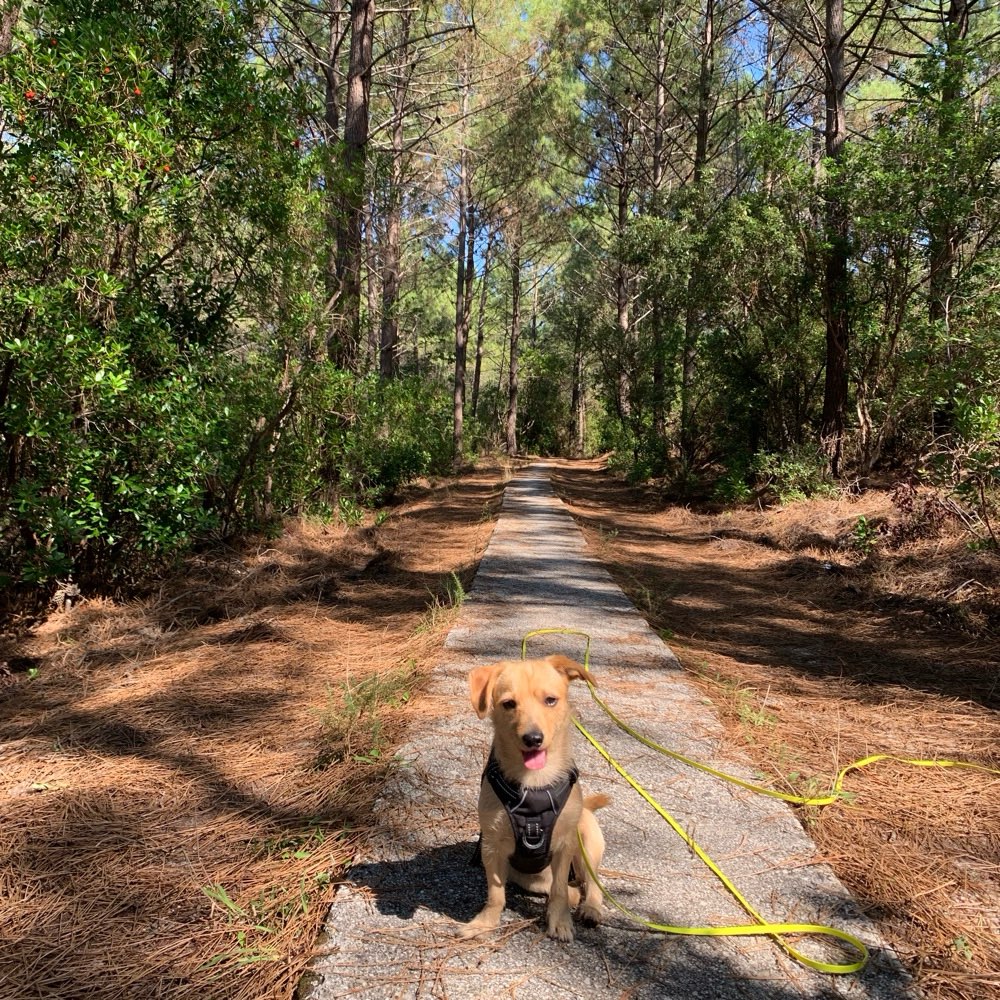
x: 595, y: 802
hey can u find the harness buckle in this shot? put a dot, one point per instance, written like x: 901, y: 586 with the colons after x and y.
x: 533, y: 837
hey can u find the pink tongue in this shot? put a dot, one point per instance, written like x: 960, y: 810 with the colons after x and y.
x: 534, y: 760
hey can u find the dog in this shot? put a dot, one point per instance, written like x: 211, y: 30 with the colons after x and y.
x: 530, y: 803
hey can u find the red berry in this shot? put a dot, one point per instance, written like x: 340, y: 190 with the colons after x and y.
x: 166, y: 168
x: 136, y: 90
x: 30, y: 94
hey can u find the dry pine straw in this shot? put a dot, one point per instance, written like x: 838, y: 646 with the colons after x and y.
x: 812, y: 668
x: 178, y: 785
x: 167, y: 832
x: 918, y: 847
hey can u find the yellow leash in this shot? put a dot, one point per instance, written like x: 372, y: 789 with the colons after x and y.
x: 761, y: 926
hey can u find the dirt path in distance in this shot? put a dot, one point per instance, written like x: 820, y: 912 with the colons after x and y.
x: 816, y: 656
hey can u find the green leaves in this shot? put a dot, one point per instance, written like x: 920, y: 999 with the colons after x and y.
x: 144, y: 192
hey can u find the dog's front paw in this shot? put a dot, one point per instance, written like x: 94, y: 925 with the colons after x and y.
x: 560, y: 926
x: 477, y: 927
x: 589, y: 915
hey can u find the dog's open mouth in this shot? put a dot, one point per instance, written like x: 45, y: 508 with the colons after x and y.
x: 534, y: 760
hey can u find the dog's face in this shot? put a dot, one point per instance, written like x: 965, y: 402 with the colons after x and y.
x: 526, y: 700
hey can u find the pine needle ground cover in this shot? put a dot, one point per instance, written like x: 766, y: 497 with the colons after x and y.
x: 820, y: 642
x: 184, y: 778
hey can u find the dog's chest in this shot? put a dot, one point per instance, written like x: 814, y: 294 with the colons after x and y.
x: 533, y: 815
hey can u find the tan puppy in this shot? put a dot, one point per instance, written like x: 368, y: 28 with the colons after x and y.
x: 531, y: 762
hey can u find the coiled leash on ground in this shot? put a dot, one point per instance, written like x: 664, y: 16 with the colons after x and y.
x: 762, y: 926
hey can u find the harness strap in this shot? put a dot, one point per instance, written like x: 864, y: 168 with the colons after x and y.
x: 532, y: 812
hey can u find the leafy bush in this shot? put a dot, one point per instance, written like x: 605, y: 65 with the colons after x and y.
x: 144, y: 197
x: 343, y: 440
x: 543, y: 408
x: 732, y: 487
x: 795, y: 474
x: 636, y: 458
x: 864, y: 536
x: 976, y: 456
x: 401, y: 430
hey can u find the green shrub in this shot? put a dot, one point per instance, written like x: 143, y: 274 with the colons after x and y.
x: 795, y: 474
x: 732, y: 487
x: 145, y: 187
x: 402, y: 430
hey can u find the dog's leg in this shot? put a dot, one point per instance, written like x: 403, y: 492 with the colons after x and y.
x: 593, y: 842
x: 560, y: 923
x: 497, y: 868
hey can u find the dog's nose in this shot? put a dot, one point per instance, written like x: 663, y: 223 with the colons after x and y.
x: 532, y: 739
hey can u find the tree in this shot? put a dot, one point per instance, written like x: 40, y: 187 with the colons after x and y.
x: 345, y: 348
x: 154, y: 177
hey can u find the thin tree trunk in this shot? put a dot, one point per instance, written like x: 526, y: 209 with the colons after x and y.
x: 515, y: 337
x: 481, y: 328
x: 391, y: 254
x: 331, y: 133
x: 501, y: 369
x: 624, y: 390
x: 389, y: 334
x: 943, y: 244
x: 705, y: 77
x: 767, y: 110
x: 578, y: 403
x: 461, y: 296
x: 657, y: 319
x: 371, y: 288
x: 836, y: 292
x: 703, y: 125
x: 349, y: 245
x: 470, y: 252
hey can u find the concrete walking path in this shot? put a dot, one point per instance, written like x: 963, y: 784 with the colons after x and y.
x: 390, y: 931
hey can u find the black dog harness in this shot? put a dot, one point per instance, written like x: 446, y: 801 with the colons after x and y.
x: 533, y: 813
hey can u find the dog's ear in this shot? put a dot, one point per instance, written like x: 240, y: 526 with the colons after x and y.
x: 481, y: 688
x: 570, y: 669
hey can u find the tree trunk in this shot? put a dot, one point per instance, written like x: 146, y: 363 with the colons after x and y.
x: 657, y: 319
x: 470, y: 251
x: 624, y: 389
x: 943, y: 243
x: 703, y: 125
x: 578, y: 402
x: 10, y: 11
x: 345, y: 347
x: 481, y: 327
x: 515, y: 337
x: 391, y: 254
x: 464, y: 278
x: 836, y: 290
x: 331, y: 134
x: 389, y: 334
x: 371, y: 287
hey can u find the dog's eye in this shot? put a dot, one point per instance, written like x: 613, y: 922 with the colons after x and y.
x: 509, y: 704
x: 551, y: 700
